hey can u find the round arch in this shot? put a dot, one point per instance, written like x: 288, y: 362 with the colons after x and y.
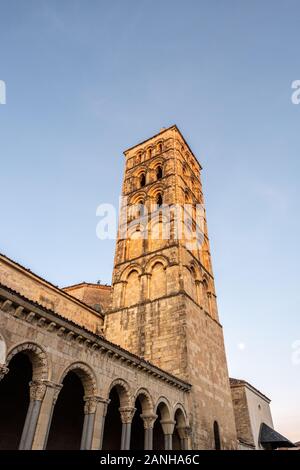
x: 124, y: 391
x: 156, y: 190
x: 86, y: 376
x: 141, y: 195
x: 164, y: 416
x: 164, y: 406
x: 145, y: 398
x: 156, y: 259
x: 143, y: 405
x: 119, y: 397
x: 180, y: 413
x: 37, y: 356
x: 155, y: 163
x: 133, y: 267
x: 179, y: 438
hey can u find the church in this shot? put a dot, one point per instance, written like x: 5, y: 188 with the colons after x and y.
x: 140, y: 364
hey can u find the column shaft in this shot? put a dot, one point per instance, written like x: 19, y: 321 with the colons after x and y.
x: 168, y: 441
x: 87, y: 431
x: 148, y: 443
x: 26, y: 426
x: 45, y: 416
x: 97, y: 428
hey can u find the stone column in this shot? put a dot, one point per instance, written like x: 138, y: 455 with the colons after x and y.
x: 55, y: 392
x: 148, y: 430
x: 3, y: 371
x: 168, y: 428
x: 127, y: 414
x: 90, y: 408
x: 100, y: 414
x: 145, y: 281
x: 37, y: 393
x: 45, y: 416
x: 119, y: 295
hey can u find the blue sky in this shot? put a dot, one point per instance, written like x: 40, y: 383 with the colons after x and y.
x: 86, y: 80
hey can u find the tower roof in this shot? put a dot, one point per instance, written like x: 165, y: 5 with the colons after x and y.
x: 162, y: 131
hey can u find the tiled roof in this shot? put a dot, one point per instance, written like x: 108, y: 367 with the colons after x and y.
x: 269, y: 436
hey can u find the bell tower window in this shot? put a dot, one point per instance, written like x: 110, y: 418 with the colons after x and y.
x: 159, y: 200
x: 159, y: 172
x: 142, y: 180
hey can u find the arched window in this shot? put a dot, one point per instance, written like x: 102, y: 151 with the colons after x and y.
x: 141, y: 208
x: 217, y: 436
x: 149, y: 152
x: 142, y: 180
x: 132, y: 290
x: 158, y: 281
x: 159, y: 147
x: 159, y: 172
x: 184, y: 169
x: 159, y: 200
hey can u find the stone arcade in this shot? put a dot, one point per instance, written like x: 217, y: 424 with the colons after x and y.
x: 138, y: 365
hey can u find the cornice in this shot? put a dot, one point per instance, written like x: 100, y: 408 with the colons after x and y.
x: 24, y: 309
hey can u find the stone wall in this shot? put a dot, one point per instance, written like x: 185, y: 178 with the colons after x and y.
x: 97, y: 296
x: 56, y: 346
x: 47, y: 295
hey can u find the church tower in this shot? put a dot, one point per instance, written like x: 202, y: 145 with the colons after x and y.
x: 164, y: 303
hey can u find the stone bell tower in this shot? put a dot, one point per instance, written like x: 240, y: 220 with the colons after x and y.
x: 164, y: 304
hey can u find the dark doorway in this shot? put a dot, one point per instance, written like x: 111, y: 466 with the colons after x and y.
x: 14, y: 401
x: 67, y: 422
x: 217, y: 436
x: 113, y: 424
x: 137, y: 428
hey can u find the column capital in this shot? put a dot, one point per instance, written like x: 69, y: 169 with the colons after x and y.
x: 127, y: 413
x: 57, y: 389
x: 37, y: 390
x: 91, y: 402
x: 168, y: 426
x: 3, y: 370
x: 146, y: 275
x: 184, y: 431
x: 149, y: 420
